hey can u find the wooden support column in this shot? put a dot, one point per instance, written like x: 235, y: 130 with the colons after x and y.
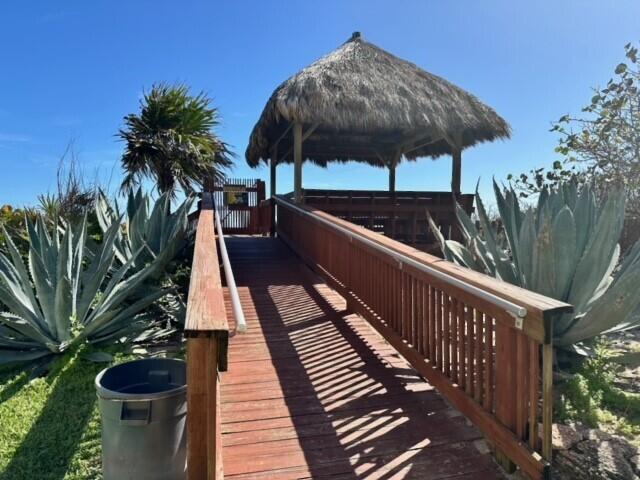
x: 393, y: 163
x: 297, y: 160
x: 456, y: 169
x: 392, y: 178
x: 273, y: 163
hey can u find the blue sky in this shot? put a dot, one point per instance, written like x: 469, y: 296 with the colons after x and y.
x: 69, y: 71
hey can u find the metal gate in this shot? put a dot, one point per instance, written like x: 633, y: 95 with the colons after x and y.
x: 238, y: 203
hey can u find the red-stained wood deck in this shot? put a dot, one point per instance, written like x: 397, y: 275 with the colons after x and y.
x: 313, y: 392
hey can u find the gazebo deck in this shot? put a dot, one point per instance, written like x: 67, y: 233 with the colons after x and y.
x: 312, y: 391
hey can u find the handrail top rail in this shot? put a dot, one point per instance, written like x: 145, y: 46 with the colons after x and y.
x: 517, y: 301
x: 241, y: 323
x: 384, y: 193
x: 206, y: 313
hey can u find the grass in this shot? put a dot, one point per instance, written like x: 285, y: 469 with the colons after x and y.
x: 592, y: 398
x: 50, y: 426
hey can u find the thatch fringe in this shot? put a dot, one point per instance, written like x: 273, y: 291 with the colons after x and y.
x: 366, y: 103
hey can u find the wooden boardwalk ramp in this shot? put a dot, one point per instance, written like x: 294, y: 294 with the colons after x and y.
x: 312, y: 391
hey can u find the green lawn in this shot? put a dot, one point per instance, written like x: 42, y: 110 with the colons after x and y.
x: 50, y: 426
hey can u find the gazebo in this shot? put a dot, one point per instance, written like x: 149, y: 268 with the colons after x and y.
x: 361, y: 103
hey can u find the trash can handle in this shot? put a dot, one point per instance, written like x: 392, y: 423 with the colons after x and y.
x: 136, y: 413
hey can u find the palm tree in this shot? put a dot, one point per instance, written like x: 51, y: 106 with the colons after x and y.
x: 172, y: 141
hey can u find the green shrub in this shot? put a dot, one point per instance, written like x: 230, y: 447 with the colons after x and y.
x: 591, y: 397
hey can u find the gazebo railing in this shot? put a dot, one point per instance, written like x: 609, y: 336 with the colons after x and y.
x: 401, y: 215
x: 484, y: 344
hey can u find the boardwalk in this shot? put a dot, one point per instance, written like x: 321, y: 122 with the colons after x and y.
x: 314, y: 392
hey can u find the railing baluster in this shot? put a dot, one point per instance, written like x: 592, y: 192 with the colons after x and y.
x: 462, y: 349
x: 488, y: 365
x: 479, y: 324
x: 432, y: 325
x: 446, y: 357
x: 439, y: 329
x: 534, y: 393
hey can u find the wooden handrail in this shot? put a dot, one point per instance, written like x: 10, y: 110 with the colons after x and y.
x: 470, y: 347
x: 207, y: 333
x: 540, y: 309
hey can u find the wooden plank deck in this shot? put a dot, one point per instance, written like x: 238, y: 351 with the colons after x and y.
x: 314, y: 392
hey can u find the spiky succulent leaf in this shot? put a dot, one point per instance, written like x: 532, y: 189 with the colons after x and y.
x: 566, y: 248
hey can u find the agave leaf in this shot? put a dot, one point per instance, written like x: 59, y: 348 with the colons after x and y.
x: 438, y: 235
x: 526, y: 240
x: 136, y: 230
x: 465, y: 223
x: 26, y: 328
x: 585, y: 217
x: 20, y: 356
x: 78, y: 255
x: 631, y: 259
x: 48, y: 248
x: 483, y: 257
x: 157, y: 223
x: 106, y: 215
x: 617, y: 303
x: 504, y: 270
x: 103, y: 322
x: 595, y: 260
x: 45, y: 289
x: 543, y: 276
x: 63, y: 308
x: 461, y: 255
x: 96, y: 272
x: 98, y: 357
x: 21, y: 270
x: 123, y: 289
x: 607, y: 279
x: 564, y: 244
x: 509, y: 214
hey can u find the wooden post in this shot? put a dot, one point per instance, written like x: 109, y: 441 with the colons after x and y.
x: 456, y: 169
x: 547, y: 400
x: 392, y: 178
x: 204, y: 441
x: 273, y: 163
x: 297, y: 160
x: 214, y: 432
x: 197, y: 431
x: 393, y: 163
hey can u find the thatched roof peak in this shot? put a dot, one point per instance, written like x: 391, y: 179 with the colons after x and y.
x: 365, y: 104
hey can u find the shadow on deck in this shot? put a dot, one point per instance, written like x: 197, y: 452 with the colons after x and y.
x: 312, y: 391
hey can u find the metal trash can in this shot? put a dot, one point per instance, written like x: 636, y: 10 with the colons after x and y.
x: 143, y: 405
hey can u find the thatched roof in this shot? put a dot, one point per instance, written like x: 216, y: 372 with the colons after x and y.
x: 365, y: 104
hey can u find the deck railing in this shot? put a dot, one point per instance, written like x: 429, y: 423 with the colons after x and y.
x: 484, y: 344
x: 400, y: 215
x: 207, y: 333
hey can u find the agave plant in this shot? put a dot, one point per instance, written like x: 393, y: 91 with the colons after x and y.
x: 566, y: 248
x: 65, y: 296
x: 151, y: 229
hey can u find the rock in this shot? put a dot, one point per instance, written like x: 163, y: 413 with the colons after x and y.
x: 635, y: 463
x: 564, y: 436
x: 597, y: 456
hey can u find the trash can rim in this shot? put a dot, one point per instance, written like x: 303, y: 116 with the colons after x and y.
x: 108, y: 394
